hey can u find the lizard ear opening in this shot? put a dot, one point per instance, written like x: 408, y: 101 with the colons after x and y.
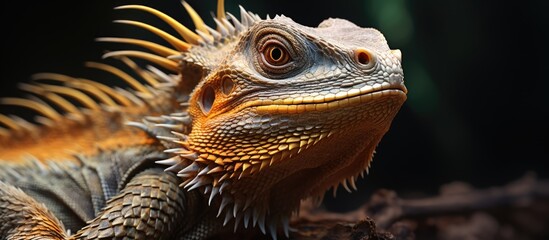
x: 207, y: 99
x: 227, y: 85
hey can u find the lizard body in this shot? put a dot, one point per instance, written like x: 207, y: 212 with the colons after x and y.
x: 250, y: 119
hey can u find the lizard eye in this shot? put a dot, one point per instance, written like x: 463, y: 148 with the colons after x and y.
x: 275, y: 55
x: 278, y: 54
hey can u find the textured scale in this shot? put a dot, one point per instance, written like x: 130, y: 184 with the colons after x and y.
x: 228, y: 127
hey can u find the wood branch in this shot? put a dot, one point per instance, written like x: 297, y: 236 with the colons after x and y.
x: 517, y: 210
x: 386, y: 208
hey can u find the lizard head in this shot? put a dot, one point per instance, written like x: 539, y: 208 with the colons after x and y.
x: 283, y: 112
x: 290, y: 111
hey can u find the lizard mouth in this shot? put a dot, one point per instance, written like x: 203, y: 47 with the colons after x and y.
x: 340, y: 100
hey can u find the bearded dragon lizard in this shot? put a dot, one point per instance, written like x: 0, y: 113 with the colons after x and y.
x: 225, y: 129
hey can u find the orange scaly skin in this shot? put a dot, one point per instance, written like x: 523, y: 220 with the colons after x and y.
x: 72, y: 136
x: 262, y: 114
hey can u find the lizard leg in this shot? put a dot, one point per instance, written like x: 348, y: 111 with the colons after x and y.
x: 150, y: 206
x: 22, y: 217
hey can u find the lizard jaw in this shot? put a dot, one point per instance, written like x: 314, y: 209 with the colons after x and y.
x: 328, y: 102
x: 328, y: 105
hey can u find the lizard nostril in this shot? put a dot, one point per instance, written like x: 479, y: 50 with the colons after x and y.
x: 364, y: 58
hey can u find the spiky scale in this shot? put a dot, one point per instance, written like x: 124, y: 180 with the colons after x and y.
x: 272, y: 230
x: 237, y: 25
x: 213, y: 194
x: 227, y: 218
x: 261, y: 224
x: 183, y: 31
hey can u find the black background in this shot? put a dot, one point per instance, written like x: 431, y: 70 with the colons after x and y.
x: 476, y: 73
